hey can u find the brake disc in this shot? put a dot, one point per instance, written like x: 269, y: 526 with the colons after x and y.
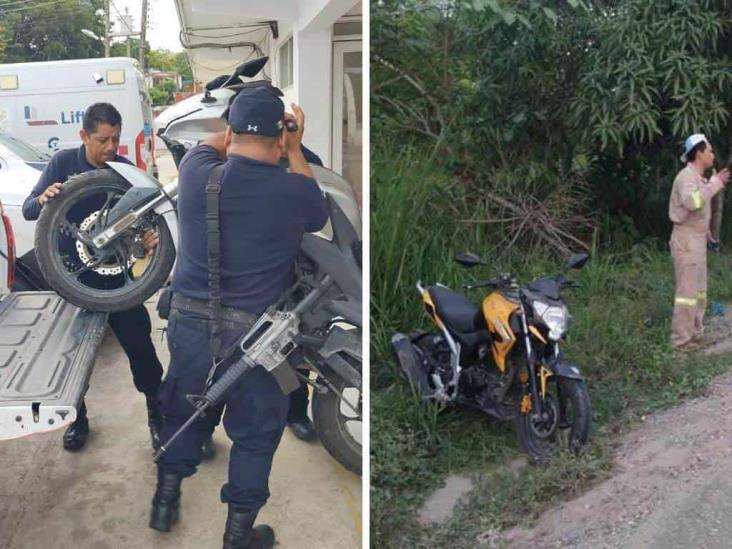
x: 546, y: 428
x: 110, y: 268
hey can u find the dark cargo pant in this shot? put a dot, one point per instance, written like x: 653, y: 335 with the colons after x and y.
x: 255, y: 413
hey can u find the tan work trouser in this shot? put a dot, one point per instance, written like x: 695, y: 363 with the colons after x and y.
x: 691, y: 296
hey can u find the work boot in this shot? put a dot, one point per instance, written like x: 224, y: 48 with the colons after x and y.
x: 208, y: 450
x: 166, y: 502
x: 302, y: 428
x: 154, y: 420
x: 77, y: 433
x: 239, y: 533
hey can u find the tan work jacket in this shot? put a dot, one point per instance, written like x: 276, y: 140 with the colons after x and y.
x: 690, y: 211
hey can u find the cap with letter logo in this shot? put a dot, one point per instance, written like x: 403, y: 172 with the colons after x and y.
x: 257, y: 111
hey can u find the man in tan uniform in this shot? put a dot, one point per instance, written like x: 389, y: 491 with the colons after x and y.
x: 690, y: 211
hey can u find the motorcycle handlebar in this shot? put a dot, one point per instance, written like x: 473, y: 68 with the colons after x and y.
x: 502, y: 281
x: 508, y: 280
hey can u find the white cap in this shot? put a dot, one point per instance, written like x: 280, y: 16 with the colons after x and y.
x: 691, y: 142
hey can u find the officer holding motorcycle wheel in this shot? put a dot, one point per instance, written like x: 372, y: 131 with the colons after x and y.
x: 263, y: 213
x: 101, y: 135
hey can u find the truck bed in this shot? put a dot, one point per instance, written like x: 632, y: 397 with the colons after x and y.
x: 47, y: 350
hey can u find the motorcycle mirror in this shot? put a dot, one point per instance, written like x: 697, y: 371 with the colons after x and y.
x: 577, y: 261
x: 250, y: 69
x: 469, y: 259
x: 217, y: 82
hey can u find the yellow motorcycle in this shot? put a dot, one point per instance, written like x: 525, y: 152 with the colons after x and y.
x: 503, y: 358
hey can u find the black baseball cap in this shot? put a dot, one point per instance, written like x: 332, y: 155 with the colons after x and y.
x: 257, y: 111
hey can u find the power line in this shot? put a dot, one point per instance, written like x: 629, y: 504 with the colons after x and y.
x: 197, y: 35
x: 122, y: 18
x: 5, y: 4
x: 35, y: 6
x: 57, y: 12
x: 14, y: 3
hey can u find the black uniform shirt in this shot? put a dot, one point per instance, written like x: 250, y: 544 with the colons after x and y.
x: 63, y: 165
x: 264, y: 213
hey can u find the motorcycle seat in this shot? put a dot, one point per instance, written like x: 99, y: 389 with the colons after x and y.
x: 455, y: 310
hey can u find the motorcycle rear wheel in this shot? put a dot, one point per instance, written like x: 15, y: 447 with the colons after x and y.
x: 114, y: 284
x: 331, y: 417
x: 571, y: 430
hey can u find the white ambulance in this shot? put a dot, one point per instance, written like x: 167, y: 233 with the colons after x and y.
x: 43, y: 103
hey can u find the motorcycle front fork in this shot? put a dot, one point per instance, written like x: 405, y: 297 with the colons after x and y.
x: 537, y: 408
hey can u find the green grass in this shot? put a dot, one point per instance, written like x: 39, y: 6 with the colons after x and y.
x: 619, y: 338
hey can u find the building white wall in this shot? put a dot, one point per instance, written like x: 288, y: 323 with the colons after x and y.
x: 310, y: 23
x: 319, y: 15
x: 311, y: 88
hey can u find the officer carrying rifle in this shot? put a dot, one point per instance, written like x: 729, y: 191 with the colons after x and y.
x: 242, y: 220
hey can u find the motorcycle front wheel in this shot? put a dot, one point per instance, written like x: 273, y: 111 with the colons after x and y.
x: 338, y: 422
x: 115, y: 278
x: 567, y: 425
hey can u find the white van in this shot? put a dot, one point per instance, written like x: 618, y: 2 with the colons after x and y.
x: 43, y: 103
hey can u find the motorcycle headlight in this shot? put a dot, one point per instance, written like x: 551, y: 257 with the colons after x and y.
x: 555, y: 318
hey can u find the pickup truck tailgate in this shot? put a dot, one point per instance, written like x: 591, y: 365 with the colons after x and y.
x: 47, y: 350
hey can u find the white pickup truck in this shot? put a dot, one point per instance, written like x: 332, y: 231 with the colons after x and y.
x: 47, y: 350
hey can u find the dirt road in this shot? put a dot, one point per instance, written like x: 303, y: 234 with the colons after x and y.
x: 672, y: 487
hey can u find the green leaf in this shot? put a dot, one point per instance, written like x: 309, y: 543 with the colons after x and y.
x: 509, y: 17
x: 573, y: 3
x: 551, y: 14
x: 525, y: 21
x: 492, y: 4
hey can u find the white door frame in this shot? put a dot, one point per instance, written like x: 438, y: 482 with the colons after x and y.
x: 339, y: 48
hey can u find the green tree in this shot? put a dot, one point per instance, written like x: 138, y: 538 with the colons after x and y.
x: 38, y: 32
x: 182, y: 66
x: 519, y: 96
x: 119, y: 49
x: 159, y: 96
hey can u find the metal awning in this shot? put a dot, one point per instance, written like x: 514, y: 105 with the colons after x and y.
x: 218, y: 36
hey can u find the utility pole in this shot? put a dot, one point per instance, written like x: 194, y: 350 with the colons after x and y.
x: 107, y: 39
x: 143, y: 30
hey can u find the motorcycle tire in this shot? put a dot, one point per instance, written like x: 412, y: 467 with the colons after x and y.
x: 331, y: 431
x: 77, y: 293
x: 574, y: 393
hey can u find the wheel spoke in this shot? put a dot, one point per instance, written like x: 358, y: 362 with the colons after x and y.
x: 121, y: 259
x: 349, y: 405
x: 88, y: 266
x: 71, y: 231
x: 103, y: 213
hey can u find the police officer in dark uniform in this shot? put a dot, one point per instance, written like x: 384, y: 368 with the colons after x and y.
x: 101, y: 134
x: 264, y: 213
x: 297, y: 415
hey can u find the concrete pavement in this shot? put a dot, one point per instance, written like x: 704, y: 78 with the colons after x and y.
x: 99, y: 498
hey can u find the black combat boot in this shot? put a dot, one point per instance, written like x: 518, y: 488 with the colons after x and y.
x: 77, y: 433
x: 303, y: 428
x: 166, y: 501
x: 242, y: 534
x: 154, y: 420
